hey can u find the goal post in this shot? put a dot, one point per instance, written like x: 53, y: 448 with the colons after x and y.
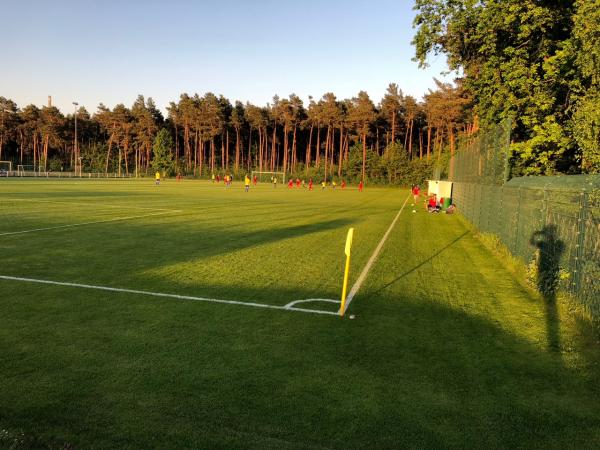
x: 266, y: 177
x: 6, y: 165
x: 25, y: 170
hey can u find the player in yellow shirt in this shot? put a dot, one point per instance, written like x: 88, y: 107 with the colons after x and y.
x: 247, y: 183
x: 157, y: 177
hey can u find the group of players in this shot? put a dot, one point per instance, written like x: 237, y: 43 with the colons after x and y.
x: 297, y: 183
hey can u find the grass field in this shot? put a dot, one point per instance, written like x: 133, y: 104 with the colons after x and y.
x: 447, y: 349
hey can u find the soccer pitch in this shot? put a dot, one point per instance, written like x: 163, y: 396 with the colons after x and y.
x: 172, y: 321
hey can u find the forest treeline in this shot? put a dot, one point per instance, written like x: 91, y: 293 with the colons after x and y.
x: 396, y: 141
x: 536, y: 62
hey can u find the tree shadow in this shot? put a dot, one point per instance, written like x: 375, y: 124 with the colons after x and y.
x: 549, y: 252
x: 421, y: 264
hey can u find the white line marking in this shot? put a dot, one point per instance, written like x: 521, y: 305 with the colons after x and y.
x: 90, y: 204
x: 175, y: 296
x: 115, y: 219
x: 308, y: 300
x: 365, y: 271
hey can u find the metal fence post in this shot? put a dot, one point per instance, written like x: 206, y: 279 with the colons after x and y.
x: 515, y: 250
x: 580, y: 246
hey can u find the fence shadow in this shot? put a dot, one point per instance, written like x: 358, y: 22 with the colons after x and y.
x: 549, y: 252
x: 421, y: 264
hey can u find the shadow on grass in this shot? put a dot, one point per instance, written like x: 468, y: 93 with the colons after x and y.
x: 133, y: 247
x: 550, y: 250
x: 421, y: 264
x: 164, y: 374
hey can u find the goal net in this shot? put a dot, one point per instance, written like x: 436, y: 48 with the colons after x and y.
x: 267, y: 177
x: 5, y: 168
x: 25, y: 170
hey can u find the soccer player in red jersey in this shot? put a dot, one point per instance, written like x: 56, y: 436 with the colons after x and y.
x: 415, y: 192
x: 360, y: 186
x: 310, y: 184
x: 343, y: 184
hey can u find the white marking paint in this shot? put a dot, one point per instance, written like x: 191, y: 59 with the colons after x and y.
x: 90, y: 204
x: 114, y: 219
x: 309, y: 300
x: 288, y: 307
x: 371, y: 261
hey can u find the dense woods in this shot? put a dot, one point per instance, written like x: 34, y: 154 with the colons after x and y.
x: 396, y: 141
x: 537, y: 62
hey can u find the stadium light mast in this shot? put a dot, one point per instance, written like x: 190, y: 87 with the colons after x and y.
x: 75, y: 147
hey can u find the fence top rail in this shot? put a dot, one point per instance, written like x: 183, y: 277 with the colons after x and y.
x: 571, y: 183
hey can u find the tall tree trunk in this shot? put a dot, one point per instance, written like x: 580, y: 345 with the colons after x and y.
x: 285, y: 148
x: 318, y: 151
x: 341, y: 155
x: 410, y: 138
x: 186, y: 144
x: 294, y: 149
x: 196, y: 155
x: 364, y: 161
x: 212, y: 155
x: 260, y: 149
x: 393, y: 126
x: 227, y: 149
x: 332, y: 150
x: 273, y: 146
x: 307, y: 160
x: 266, y: 147
x: 35, y: 150
x: 176, y: 148
x: 326, y: 149
x: 420, y: 144
x: 46, y: 144
x: 110, y: 141
x: 223, y: 165
x: 125, y: 150
x: 21, y: 146
x: 346, y: 146
x: 428, y: 142
x: 237, y: 150
x: 120, y: 158
x: 249, y: 150
x: 451, y: 132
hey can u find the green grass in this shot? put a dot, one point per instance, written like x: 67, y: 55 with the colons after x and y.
x: 448, y: 348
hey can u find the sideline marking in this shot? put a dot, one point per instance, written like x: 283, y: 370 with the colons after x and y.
x: 371, y: 261
x: 288, y: 307
x: 115, y: 219
x: 90, y: 204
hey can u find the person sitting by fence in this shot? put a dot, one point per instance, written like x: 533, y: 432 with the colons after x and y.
x: 433, y: 205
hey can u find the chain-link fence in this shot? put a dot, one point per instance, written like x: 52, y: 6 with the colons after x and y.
x: 552, y: 223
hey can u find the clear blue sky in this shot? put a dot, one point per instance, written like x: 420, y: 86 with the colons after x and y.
x: 110, y: 51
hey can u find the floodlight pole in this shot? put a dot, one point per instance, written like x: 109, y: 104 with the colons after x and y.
x: 75, y: 149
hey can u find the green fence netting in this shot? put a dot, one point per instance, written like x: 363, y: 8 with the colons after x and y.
x: 551, y: 222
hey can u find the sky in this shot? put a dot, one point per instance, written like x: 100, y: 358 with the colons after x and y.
x: 111, y: 51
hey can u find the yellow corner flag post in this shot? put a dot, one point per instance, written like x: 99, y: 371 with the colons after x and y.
x: 347, y: 270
